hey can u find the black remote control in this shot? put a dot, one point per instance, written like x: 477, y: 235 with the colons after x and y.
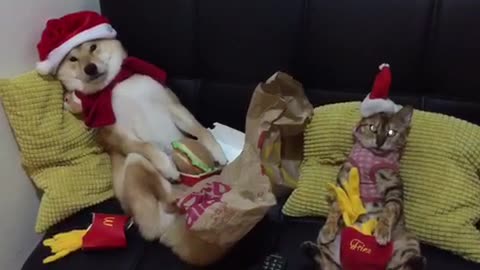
x: 274, y: 262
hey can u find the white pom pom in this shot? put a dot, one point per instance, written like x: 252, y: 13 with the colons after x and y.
x: 398, y: 108
x: 44, y: 67
x: 384, y: 65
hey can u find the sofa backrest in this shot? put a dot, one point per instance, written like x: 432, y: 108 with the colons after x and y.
x: 217, y: 51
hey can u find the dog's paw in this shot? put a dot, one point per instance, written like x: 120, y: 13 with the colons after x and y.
x: 327, y: 234
x: 165, y: 166
x: 169, y: 171
x: 174, y: 180
x: 382, y: 234
x: 148, y: 231
x: 171, y: 207
x: 172, y: 175
x: 218, y: 155
x: 70, y: 104
x: 221, y: 159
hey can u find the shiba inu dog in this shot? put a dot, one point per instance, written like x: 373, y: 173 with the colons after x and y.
x: 136, y: 117
x: 148, y: 118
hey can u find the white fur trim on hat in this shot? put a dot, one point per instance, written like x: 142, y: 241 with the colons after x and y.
x: 383, y: 66
x: 370, y: 106
x: 56, y: 56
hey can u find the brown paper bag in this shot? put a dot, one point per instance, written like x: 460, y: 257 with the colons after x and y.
x: 277, y: 117
x: 224, y: 208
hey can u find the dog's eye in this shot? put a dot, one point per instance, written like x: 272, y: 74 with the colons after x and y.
x: 373, y: 128
x: 73, y: 59
x: 93, y: 48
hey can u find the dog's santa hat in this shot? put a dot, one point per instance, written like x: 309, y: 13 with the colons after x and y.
x: 61, y: 35
x: 377, y: 100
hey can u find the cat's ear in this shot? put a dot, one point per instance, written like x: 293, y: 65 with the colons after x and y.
x: 405, y: 115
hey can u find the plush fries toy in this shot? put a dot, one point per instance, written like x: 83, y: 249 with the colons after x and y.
x: 106, y: 232
x: 351, y: 204
x: 358, y: 247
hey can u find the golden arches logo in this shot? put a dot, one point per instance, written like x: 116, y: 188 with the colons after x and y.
x: 108, y: 221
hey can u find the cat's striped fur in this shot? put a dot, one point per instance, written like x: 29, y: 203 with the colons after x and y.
x: 381, y: 133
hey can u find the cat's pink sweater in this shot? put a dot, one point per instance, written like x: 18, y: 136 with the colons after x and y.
x: 368, y: 163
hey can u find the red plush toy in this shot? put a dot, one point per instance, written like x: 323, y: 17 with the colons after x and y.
x: 359, y: 249
x: 107, y: 231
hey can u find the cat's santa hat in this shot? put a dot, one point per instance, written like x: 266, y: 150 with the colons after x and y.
x: 377, y: 100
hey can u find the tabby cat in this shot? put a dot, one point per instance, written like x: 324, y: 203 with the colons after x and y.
x: 385, y: 136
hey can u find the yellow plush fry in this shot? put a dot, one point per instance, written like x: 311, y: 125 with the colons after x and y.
x: 56, y: 256
x: 367, y: 228
x: 353, y: 183
x: 353, y: 190
x: 63, y: 244
x: 289, y: 180
x: 344, y: 205
x: 350, y: 202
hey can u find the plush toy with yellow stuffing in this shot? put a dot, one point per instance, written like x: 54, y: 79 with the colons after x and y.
x: 107, y: 231
x: 351, y: 204
x: 357, y: 247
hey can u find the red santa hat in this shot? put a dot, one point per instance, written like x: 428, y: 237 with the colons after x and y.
x: 61, y: 35
x: 377, y: 100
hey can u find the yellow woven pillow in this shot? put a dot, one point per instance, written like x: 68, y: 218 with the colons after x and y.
x: 57, y: 152
x: 440, y: 169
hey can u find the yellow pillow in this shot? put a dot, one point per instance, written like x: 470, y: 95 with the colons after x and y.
x: 440, y: 169
x: 57, y: 152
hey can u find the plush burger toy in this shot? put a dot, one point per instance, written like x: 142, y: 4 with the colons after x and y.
x: 193, y: 161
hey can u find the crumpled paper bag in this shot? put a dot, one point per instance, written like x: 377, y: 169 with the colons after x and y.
x: 277, y: 117
x: 224, y: 208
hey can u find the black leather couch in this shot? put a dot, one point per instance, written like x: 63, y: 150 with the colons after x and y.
x: 216, y: 51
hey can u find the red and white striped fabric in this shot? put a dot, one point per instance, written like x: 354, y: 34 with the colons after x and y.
x: 368, y: 163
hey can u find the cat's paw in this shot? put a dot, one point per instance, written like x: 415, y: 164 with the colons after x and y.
x: 416, y: 262
x: 382, y: 234
x: 310, y: 249
x: 327, y: 234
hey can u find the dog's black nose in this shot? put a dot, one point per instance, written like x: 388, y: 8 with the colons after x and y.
x: 91, y: 69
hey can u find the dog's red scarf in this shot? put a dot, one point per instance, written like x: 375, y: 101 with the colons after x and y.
x: 97, y: 108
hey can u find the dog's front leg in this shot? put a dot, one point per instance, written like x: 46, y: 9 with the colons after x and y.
x: 187, y: 123
x: 115, y: 139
